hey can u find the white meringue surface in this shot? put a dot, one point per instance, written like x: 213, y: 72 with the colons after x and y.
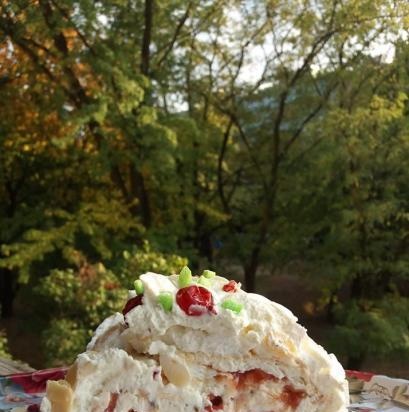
x: 258, y: 360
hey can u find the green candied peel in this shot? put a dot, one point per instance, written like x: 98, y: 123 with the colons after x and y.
x: 185, y: 277
x: 138, y: 285
x: 208, y: 274
x: 232, y: 305
x: 165, y: 299
x: 204, y: 281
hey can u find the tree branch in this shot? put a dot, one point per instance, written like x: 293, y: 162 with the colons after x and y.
x: 66, y: 15
x: 307, y: 119
x: 169, y: 47
x: 60, y: 42
x: 244, y: 139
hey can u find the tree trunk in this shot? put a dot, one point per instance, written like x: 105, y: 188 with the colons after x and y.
x: 138, y: 186
x: 356, y: 289
x: 250, y: 272
x: 206, y: 247
x: 331, y: 307
x: 250, y: 269
x: 202, y: 240
x: 8, y: 284
x: 146, y: 39
x: 251, y: 266
x: 355, y: 362
x: 7, y: 292
x: 140, y: 192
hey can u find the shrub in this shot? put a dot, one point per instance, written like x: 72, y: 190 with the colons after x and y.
x: 4, y: 351
x: 82, y: 297
x: 139, y: 261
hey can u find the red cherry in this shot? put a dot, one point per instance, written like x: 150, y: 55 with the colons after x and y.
x: 133, y: 302
x: 232, y: 286
x: 195, y: 300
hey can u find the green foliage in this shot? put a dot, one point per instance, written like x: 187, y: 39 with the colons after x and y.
x: 63, y: 340
x: 91, y: 293
x: 357, y: 225
x: 141, y: 260
x: 378, y: 328
x: 90, y: 228
x: 79, y: 299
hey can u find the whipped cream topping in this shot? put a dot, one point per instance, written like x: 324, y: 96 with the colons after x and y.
x: 159, y: 360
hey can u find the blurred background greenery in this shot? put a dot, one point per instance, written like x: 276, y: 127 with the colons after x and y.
x: 266, y: 139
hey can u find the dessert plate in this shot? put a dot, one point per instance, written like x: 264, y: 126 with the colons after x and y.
x: 369, y: 393
x: 25, y: 390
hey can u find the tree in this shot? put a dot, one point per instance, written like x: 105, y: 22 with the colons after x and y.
x: 61, y: 71
x: 369, y: 251
x: 295, y: 42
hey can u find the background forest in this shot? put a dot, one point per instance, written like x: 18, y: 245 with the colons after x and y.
x: 255, y: 138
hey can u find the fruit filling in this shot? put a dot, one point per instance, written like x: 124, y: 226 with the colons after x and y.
x: 252, y: 377
x: 292, y: 397
x: 112, y: 403
x: 254, y: 390
x: 217, y: 403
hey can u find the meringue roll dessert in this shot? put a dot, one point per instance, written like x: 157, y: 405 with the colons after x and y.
x: 199, y: 344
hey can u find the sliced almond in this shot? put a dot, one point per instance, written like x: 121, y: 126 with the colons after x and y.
x: 175, y: 370
x: 59, y: 393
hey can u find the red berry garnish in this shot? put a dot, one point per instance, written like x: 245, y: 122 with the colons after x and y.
x: 33, y: 408
x: 195, y: 300
x: 133, y: 302
x: 232, y: 286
